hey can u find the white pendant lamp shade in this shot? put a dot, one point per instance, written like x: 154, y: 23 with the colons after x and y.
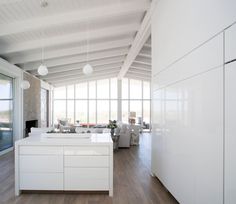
x: 88, y: 69
x: 42, y: 70
x: 25, y: 84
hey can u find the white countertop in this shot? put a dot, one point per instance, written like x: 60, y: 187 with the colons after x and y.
x: 96, y: 139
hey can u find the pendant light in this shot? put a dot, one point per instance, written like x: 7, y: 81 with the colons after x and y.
x: 25, y: 84
x: 87, y: 69
x: 42, y: 69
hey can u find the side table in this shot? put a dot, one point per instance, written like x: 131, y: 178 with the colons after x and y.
x: 115, y: 139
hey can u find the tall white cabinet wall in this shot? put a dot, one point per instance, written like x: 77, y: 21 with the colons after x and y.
x: 189, y: 82
x: 230, y: 115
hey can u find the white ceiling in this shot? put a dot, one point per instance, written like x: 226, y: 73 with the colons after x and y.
x: 64, y: 26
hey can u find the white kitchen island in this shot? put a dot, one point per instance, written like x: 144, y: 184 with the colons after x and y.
x: 64, y: 164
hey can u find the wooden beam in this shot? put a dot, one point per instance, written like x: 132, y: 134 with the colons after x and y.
x: 140, y: 39
x: 77, y: 58
x: 77, y: 16
x: 101, y: 33
x: 25, y: 57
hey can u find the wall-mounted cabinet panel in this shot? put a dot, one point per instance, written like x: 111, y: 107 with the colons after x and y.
x: 230, y: 43
x: 189, y: 138
x: 230, y: 134
x: 180, y: 26
x: 208, y: 56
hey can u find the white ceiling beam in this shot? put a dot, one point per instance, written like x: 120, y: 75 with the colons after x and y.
x: 141, y: 66
x: 78, y: 16
x: 104, y: 73
x: 145, y: 53
x: 140, y: 39
x: 76, y: 59
x: 55, y: 53
x: 69, y: 82
x: 147, y: 74
x: 147, y: 46
x: 71, y: 38
x: 140, y: 70
x: 139, y: 77
x: 75, y: 66
x: 78, y: 72
x: 143, y: 60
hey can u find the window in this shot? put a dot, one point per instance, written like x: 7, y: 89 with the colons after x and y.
x: 60, y: 93
x: 146, y: 90
x: 71, y: 92
x: 92, y: 90
x: 81, y: 111
x: 6, y: 112
x: 102, y: 111
x: 103, y: 89
x: 113, y: 89
x: 59, y: 108
x: 70, y: 110
x: 136, y: 98
x: 125, y: 88
x: 44, y: 108
x: 113, y: 109
x: 81, y: 91
x: 96, y: 102
x: 92, y: 112
x: 125, y: 111
x: 135, y: 89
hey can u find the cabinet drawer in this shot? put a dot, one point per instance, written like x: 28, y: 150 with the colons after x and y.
x: 38, y: 150
x: 41, y: 163
x: 89, y: 150
x: 41, y: 181
x: 86, y: 161
x: 86, y: 179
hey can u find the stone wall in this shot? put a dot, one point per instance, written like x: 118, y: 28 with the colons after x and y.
x: 32, y: 100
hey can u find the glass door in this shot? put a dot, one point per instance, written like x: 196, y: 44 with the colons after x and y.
x: 6, y: 112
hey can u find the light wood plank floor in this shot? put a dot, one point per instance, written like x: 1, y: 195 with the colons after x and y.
x: 132, y: 182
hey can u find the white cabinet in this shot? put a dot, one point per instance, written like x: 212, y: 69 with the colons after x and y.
x: 64, y: 167
x: 86, y: 168
x: 230, y: 133
x: 86, y: 178
x: 230, y: 43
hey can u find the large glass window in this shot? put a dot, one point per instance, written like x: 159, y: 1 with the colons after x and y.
x: 103, y: 89
x: 60, y: 93
x: 125, y: 89
x: 59, y: 109
x: 96, y: 102
x: 6, y: 112
x: 136, y: 98
x: 92, y: 112
x: 135, y: 89
x: 81, y: 111
x: 81, y: 91
x: 70, y: 110
x: 102, y: 111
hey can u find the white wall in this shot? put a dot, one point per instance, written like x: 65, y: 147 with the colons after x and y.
x: 188, y: 98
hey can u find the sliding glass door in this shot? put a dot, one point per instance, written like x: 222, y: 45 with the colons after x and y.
x: 6, y: 112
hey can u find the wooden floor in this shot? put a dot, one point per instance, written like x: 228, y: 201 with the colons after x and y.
x: 132, y: 182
